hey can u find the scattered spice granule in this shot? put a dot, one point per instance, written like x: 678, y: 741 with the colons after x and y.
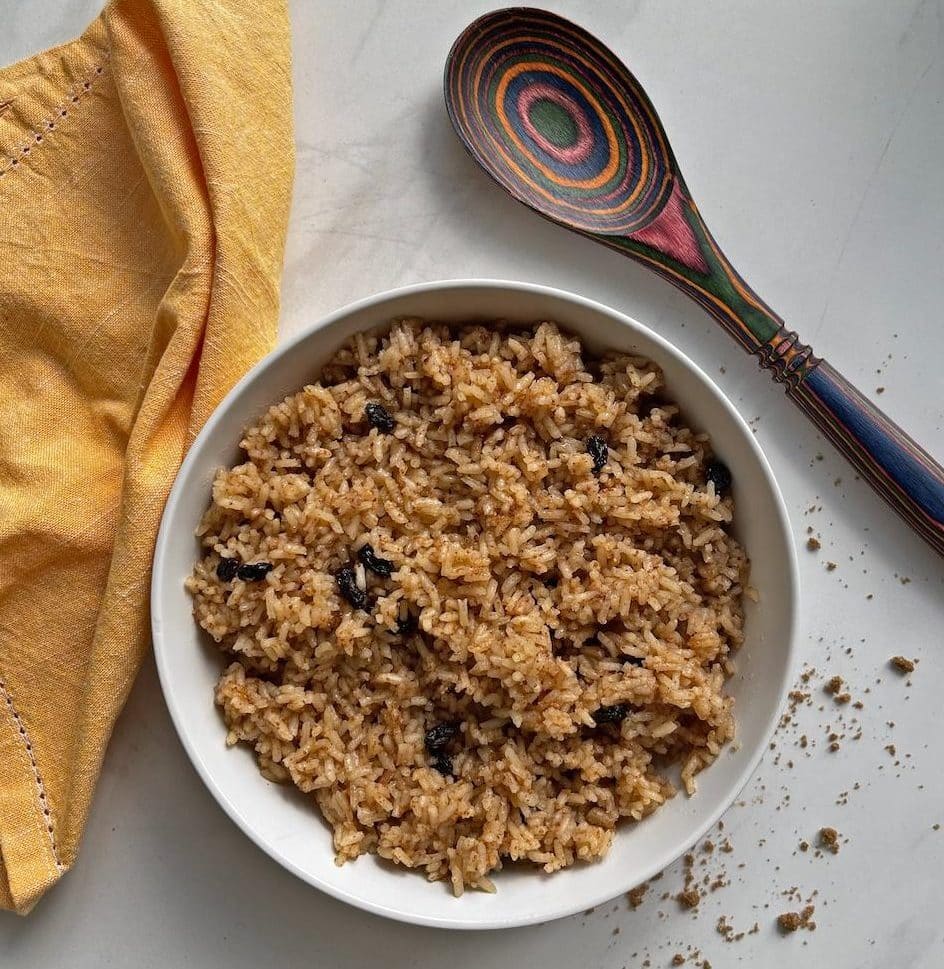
x: 902, y: 664
x: 829, y: 839
x: 637, y: 894
x: 678, y: 959
x: 935, y: 827
x: 813, y: 543
x: 834, y: 685
x: 830, y: 566
x: 804, y: 845
x: 791, y: 921
x: 843, y: 699
x: 891, y: 749
x: 880, y: 390
x: 689, y: 898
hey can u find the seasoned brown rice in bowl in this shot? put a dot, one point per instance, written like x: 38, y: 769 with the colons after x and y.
x: 479, y: 593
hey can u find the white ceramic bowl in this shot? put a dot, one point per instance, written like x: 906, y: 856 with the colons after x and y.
x: 288, y: 826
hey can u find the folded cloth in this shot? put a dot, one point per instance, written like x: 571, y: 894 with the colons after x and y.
x: 145, y: 180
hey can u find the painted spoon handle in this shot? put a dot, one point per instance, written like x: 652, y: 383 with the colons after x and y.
x: 679, y: 247
x: 898, y: 468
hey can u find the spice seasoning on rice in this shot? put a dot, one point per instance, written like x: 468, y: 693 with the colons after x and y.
x: 524, y: 587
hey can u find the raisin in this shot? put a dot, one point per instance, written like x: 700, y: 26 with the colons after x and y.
x: 254, y: 571
x: 347, y: 583
x: 632, y: 660
x: 598, y: 450
x: 226, y: 569
x: 439, y: 736
x: 405, y: 625
x: 718, y: 474
x: 614, y: 714
x: 443, y: 763
x: 373, y: 562
x: 378, y: 416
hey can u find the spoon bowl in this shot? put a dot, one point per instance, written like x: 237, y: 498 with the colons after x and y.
x: 556, y: 118
x: 560, y: 123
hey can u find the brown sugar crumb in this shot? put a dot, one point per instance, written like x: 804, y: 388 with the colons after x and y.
x: 902, y: 664
x: 791, y: 921
x: 813, y: 543
x: 833, y: 685
x: 689, y: 898
x: 636, y: 895
x: 678, y: 959
x: 804, y: 845
x: 843, y: 698
x: 830, y: 566
x: 829, y: 839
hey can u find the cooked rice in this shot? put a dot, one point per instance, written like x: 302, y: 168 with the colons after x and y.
x: 540, y: 593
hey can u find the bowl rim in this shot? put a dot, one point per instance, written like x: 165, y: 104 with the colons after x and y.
x: 790, y: 587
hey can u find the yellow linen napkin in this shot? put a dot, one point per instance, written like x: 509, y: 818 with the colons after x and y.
x: 145, y: 180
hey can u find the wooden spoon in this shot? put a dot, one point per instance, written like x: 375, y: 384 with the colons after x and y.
x: 563, y: 126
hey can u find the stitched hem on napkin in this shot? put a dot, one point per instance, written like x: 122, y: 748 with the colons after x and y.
x: 34, y: 93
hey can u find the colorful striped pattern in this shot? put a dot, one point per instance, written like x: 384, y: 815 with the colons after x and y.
x: 902, y: 472
x: 556, y: 132
x: 563, y: 126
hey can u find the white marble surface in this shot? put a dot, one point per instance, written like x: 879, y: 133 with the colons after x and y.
x: 813, y: 137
